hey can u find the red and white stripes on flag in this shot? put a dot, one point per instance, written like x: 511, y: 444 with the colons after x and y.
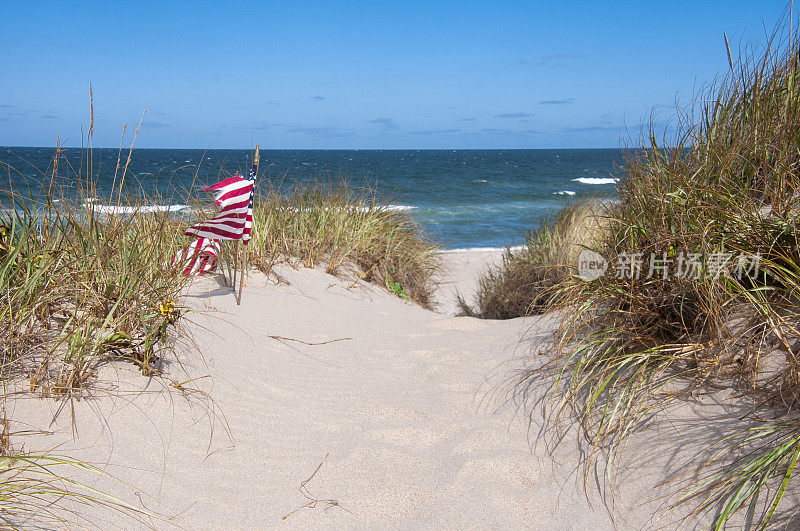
x: 234, y: 221
x: 199, y: 257
x: 235, y: 218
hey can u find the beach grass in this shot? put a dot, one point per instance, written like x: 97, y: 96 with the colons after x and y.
x: 47, y: 491
x: 722, y: 194
x: 87, y: 281
x: 83, y: 290
x: 351, y: 231
x: 529, y: 280
x: 79, y: 289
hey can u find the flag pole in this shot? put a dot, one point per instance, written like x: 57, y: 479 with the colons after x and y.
x: 235, y: 259
x: 235, y: 262
x: 235, y: 267
x: 244, y: 257
x: 241, y: 274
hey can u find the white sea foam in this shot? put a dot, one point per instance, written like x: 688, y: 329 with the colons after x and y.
x: 564, y: 192
x: 482, y: 249
x: 366, y: 208
x: 119, y: 209
x: 596, y: 180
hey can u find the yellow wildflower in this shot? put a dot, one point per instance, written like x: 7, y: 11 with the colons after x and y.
x: 167, y: 308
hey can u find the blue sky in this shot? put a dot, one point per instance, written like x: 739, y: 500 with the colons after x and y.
x: 410, y: 74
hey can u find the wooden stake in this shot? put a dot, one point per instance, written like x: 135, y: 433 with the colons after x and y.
x: 256, y: 159
x: 235, y: 262
x: 241, y: 275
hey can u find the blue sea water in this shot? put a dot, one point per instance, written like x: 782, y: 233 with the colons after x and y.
x: 462, y: 198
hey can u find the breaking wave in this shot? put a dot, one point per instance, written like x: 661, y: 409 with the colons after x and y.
x: 596, y: 180
x: 121, y: 209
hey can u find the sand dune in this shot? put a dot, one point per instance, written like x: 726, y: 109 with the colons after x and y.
x: 405, y: 410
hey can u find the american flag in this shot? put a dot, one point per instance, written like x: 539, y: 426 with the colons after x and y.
x: 199, y: 257
x: 235, y: 219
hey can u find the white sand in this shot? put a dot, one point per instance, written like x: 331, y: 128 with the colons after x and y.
x: 460, y: 274
x: 403, y: 407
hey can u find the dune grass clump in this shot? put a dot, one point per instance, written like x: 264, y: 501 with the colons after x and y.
x: 529, y: 280
x: 46, y: 492
x: 79, y: 288
x: 703, y: 289
x: 349, y: 230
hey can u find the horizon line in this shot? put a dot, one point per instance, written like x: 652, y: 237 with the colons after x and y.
x: 124, y: 148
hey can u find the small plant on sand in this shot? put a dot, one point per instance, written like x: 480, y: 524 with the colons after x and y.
x: 48, y: 492
x: 395, y: 288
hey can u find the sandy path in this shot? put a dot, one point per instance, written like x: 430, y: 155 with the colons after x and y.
x: 460, y: 275
x: 396, y: 406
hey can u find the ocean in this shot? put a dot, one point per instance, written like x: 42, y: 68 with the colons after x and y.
x: 462, y: 198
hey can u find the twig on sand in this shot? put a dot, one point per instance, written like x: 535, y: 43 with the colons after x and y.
x: 281, y: 338
x: 313, y: 500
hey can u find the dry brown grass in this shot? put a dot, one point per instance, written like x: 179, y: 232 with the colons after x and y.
x: 730, y: 183
x: 529, y: 280
x: 348, y: 230
x: 79, y: 289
